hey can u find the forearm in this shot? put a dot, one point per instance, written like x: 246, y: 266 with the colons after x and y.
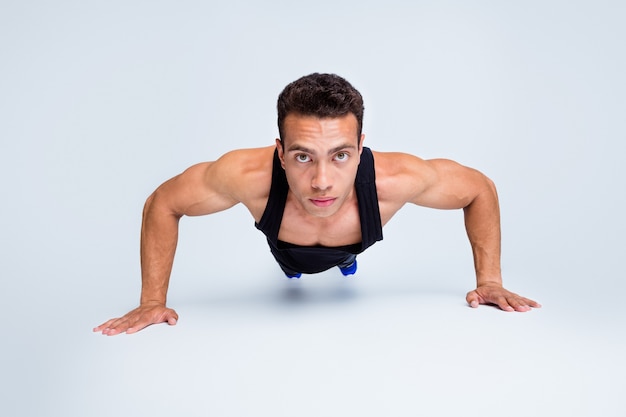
x: 159, y: 237
x: 482, y: 222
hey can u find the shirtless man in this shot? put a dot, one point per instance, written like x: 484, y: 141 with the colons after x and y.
x: 320, y: 197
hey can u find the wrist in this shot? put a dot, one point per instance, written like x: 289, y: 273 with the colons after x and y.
x: 151, y: 302
x: 489, y: 282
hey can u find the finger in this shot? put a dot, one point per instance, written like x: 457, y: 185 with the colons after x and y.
x: 115, y: 329
x: 169, y: 316
x: 525, y: 304
x: 124, y: 327
x: 532, y: 303
x: 515, y: 300
x: 518, y: 304
x: 103, y: 325
x: 140, y: 324
x: 122, y: 322
x: 112, y: 331
x: 137, y: 327
x: 118, y: 326
x: 473, y: 299
x: 503, y: 303
x: 174, y: 317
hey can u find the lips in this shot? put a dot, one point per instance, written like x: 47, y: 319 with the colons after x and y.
x: 323, y: 202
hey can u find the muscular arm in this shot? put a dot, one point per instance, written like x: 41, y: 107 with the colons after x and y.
x: 453, y: 186
x: 446, y: 184
x: 197, y: 191
x: 202, y: 189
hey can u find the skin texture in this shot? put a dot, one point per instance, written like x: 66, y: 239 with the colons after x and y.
x: 320, y: 158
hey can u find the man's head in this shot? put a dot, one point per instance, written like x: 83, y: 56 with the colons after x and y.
x: 322, y: 96
x: 320, y: 145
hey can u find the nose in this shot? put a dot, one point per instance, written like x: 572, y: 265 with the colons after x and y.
x: 321, y: 178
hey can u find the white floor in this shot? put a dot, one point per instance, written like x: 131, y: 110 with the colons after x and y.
x: 101, y: 102
x: 253, y: 343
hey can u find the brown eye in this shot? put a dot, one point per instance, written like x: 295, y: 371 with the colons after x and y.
x: 341, y: 156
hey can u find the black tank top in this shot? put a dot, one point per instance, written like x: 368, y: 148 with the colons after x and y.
x: 313, y: 259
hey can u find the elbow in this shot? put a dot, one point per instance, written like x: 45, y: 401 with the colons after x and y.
x: 485, y: 191
x: 156, y: 203
x: 489, y: 186
x: 148, y: 204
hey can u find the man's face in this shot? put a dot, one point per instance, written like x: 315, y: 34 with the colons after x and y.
x: 320, y: 158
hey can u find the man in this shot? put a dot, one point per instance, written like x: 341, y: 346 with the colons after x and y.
x: 320, y: 197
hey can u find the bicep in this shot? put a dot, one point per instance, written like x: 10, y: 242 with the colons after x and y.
x: 199, y: 190
x: 448, y: 185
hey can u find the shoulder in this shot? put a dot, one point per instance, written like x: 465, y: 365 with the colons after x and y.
x: 437, y: 183
x: 244, y: 162
x: 400, y: 175
x: 242, y: 176
x: 245, y: 173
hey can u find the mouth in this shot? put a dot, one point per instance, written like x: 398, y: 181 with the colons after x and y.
x: 323, y: 201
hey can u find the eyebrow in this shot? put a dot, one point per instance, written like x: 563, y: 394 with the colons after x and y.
x: 304, y: 149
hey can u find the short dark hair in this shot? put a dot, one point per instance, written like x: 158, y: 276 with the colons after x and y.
x: 320, y: 95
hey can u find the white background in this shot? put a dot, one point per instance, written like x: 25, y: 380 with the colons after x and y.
x: 102, y: 101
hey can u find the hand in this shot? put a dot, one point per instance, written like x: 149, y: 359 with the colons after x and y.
x: 138, y: 319
x: 496, y: 295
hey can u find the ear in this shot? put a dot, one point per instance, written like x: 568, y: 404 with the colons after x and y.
x: 281, y: 152
x: 361, y: 143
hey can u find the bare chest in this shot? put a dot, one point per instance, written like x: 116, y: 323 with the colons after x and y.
x: 341, y: 229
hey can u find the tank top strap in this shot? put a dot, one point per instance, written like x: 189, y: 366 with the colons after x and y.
x: 367, y: 198
x: 273, y: 214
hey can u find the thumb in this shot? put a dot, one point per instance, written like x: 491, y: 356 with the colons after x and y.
x: 172, y: 320
x: 473, y: 299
